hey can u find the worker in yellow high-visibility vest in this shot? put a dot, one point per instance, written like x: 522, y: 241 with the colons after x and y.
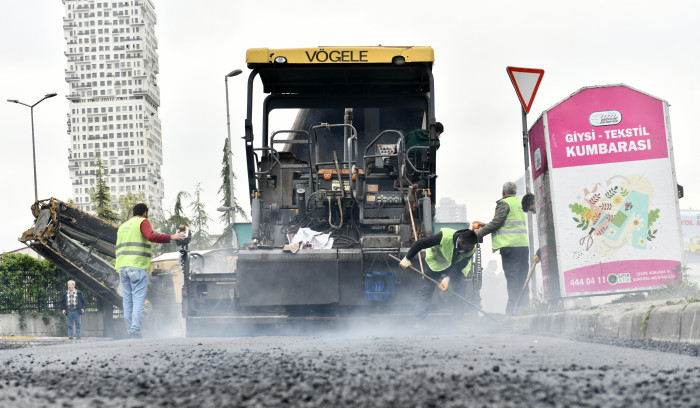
x: 133, y: 263
x: 508, y: 230
x: 448, y: 255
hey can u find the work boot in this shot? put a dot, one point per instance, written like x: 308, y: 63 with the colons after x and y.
x: 135, y: 335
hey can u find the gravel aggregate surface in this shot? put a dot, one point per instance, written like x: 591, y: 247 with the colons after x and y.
x: 479, y: 370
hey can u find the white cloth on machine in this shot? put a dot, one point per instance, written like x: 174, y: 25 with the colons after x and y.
x: 317, y: 240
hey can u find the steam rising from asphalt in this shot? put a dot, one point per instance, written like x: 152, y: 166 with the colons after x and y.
x: 369, y: 320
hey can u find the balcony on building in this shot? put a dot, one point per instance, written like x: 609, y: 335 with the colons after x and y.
x: 72, y: 78
x: 73, y: 96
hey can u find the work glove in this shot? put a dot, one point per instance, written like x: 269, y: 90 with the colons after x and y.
x: 405, y: 263
x: 536, y: 259
x: 444, y: 283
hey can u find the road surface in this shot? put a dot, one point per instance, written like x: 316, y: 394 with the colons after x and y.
x: 479, y: 369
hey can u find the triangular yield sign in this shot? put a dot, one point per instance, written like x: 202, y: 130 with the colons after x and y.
x: 525, y: 81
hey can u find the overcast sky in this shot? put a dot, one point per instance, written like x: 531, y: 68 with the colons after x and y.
x: 645, y: 44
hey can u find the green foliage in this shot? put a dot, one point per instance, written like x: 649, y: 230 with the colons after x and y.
x: 200, y: 221
x: 611, y: 192
x: 127, y: 203
x: 225, y: 187
x: 582, y: 224
x: 23, y: 277
x: 683, y: 287
x: 651, y: 234
x: 176, y: 218
x: 577, y: 208
x: 645, y: 321
x: 225, y: 190
x: 538, y: 305
x: 100, y: 196
x: 653, y: 216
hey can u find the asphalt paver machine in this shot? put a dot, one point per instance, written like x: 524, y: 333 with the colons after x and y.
x: 330, y: 197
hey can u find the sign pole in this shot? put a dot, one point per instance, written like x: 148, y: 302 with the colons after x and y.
x: 526, y: 82
x: 528, y: 189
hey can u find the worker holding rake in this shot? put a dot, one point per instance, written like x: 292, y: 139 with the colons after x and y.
x: 448, y: 255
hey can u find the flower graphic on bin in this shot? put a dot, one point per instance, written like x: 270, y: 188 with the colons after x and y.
x: 588, y: 215
x: 612, y: 216
x: 638, y: 222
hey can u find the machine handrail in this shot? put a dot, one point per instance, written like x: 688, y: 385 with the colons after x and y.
x: 408, y: 160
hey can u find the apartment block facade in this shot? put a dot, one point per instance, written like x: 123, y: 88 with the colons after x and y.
x: 112, y: 68
x: 449, y: 211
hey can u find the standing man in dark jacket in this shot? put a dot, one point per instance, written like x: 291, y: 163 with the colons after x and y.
x: 73, y: 306
x: 448, y: 256
x: 508, y: 231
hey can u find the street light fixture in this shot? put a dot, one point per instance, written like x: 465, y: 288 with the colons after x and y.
x: 31, y: 109
x: 234, y: 238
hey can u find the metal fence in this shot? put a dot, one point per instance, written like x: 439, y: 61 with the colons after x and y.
x: 22, y: 296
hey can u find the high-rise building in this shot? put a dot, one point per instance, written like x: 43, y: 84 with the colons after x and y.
x: 449, y: 211
x: 111, y: 71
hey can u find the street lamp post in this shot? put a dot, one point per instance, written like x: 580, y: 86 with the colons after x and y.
x: 31, y: 109
x: 234, y: 238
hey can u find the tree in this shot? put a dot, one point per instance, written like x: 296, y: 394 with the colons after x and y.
x: 127, y: 203
x: 176, y: 218
x: 225, y: 188
x: 200, y: 221
x: 100, y: 196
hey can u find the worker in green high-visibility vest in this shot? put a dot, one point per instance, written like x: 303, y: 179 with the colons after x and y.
x: 134, y: 262
x: 508, y: 230
x: 448, y: 255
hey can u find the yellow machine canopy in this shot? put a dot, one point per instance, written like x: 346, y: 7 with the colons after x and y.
x: 339, y: 55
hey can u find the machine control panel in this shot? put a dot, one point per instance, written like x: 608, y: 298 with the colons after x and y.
x: 381, y: 197
x: 386, y: 149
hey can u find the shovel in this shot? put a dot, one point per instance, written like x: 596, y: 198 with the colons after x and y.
x: 448, y: 289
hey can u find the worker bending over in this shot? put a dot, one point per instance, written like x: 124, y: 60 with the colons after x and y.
x: 508, y: 231
x: 448, y: 256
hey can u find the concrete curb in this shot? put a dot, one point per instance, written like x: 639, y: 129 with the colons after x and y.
x: 690, y: 324
x: 638, y: 321
x: 40, y: 338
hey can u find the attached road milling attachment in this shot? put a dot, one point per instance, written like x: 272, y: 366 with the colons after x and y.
x: 71, y: 238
